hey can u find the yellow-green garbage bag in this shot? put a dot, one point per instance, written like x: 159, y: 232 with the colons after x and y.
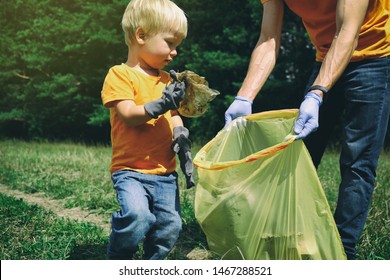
x: 259, y: 196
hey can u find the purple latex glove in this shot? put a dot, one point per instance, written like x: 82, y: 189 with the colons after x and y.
x: 307, y: 120
x: 240, y: 107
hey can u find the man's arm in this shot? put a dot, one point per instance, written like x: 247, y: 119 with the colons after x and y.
x: 350, y: 15
x: 349, y: 18
x: 266, y: 51
x: 262, y: 61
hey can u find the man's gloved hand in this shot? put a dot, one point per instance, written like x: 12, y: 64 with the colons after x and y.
x: 241, y: 106
x: 182, y: 146
x: 307, y: 120
x: 170, y: 100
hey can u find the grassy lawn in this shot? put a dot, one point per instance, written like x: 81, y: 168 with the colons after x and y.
x: 78, y: 175
x: 375, y: 241
x: 28, y: 232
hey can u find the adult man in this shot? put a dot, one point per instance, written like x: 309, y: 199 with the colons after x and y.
x: 352, y: 73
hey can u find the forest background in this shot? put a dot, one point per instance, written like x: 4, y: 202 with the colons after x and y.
x: 54, y: 56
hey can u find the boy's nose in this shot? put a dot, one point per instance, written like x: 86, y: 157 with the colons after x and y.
x: 173, y: 53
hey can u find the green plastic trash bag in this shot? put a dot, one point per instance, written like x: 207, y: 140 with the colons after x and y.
x: 259, y: 196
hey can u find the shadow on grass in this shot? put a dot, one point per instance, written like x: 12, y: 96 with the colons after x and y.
x: 191, y: 245
x: 89, y: 252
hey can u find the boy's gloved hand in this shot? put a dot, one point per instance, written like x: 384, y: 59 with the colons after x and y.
x: 170, y: 100
x: 307, y: 120
x: 182, y: 146
x: 240, y: 107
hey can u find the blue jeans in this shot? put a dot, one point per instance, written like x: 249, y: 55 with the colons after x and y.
x: 149, y: 212
x: 361, y: 98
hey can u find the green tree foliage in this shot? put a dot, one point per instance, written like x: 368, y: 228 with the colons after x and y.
x: 53, y: 57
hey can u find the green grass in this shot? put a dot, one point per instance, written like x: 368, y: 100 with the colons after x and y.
x: 78, y: 175
x: 73, y: 172
x: 28, y: 232
x: 375, y: 242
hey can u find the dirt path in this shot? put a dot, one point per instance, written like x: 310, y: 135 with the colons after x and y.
x: 57, y: 207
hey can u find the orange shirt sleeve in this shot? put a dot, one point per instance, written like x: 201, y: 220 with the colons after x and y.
x: 116, y: 87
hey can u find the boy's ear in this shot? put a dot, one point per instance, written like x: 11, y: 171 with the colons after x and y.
x: 140, y: 36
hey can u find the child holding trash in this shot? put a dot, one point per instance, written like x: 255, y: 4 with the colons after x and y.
x: 146, y: 130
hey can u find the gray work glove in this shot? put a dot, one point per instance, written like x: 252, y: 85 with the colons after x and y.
x: 170, y: 100
x: 182, y: 146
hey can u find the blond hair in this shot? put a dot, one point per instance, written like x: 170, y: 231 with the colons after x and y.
x: 153, y: 16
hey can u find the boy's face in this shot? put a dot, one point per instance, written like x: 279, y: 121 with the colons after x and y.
x: 158, y: 50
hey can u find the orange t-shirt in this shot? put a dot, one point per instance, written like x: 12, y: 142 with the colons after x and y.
x: 319, y: 19
x: 145, y: 148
